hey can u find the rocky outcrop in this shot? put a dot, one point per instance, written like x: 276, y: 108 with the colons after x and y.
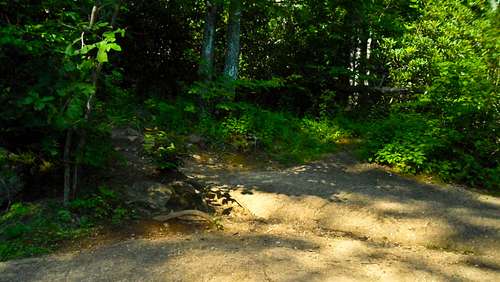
x: 155, y: 197
x: 151, y: 195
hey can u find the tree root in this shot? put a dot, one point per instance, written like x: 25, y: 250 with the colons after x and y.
x: 183, y: 213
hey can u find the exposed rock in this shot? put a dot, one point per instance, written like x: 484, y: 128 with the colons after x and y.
x: 186, y: 196
x: 125, y: 134
x: 132, y: 138
x: 152, y: 195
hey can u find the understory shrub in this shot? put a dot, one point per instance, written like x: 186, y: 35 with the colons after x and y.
x: 29, y: 229
x: 415, y: 143
x: 161, y: 146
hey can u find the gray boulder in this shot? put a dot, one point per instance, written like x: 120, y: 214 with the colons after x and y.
x: 151, y: 195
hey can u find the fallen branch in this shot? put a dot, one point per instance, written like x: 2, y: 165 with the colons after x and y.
x: 183, y: 213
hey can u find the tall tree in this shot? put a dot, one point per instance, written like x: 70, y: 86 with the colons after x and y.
x: 233, y: 40
x: 206, y: 70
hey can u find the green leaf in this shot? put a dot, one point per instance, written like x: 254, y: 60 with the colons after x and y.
x: 28, y: 100
x: 70, y: 51
x: 102, y: 55
x: 114, y: 46
x: 85, y: 49
x: 109, y: 36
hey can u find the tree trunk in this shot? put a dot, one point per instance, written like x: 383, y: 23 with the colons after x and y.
x: 206, y: 70
x: 363, y: 60
x: 67, y: 166
x: 88, y: 109
x: 233, y: 40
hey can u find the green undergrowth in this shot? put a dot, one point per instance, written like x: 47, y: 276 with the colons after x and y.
x: 416, y: 143
x: 245, y: 127
x: 411, y: 143
x: 30, y: 229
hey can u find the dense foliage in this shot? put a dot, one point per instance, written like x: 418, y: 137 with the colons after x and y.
x: 451, y: 52
x: 38, y: 228
x: 415, y: 81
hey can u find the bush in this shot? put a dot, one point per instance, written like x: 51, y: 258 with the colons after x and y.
x: 415, y: 143
x: 282, y: 135
x: 38, y: 228
x: 451, y: 52
x: 160, y: 145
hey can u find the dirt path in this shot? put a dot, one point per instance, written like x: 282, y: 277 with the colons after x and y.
x: 331, y: 220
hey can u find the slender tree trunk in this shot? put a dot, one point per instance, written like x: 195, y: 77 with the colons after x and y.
x: 88, y: 109
x: 67, y: 166
x: 368, y: 58
x: 206, y: 70
x: 363, y: 98
x: 233, y: 40
x: 363, y: 60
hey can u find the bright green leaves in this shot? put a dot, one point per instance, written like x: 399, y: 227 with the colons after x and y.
x: 160, y: 145
x: 111, y: 35
x: 102, y: 53
x: 85, y: 49
x: 114, y: 46
x: 449, y: 52
x: 104, y: 46
x: 108, y: 44
x: 79, y: 65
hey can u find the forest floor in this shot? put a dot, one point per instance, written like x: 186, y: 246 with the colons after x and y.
x: 331, y: 220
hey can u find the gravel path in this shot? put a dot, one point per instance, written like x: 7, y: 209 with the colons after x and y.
x: 331, y: 220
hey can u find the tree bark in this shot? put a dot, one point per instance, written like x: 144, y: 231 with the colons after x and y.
x: 88, y: 109
x: 233, y: 40
x: 67, y: 166
x: 363, y: 60
x: 206, y: 70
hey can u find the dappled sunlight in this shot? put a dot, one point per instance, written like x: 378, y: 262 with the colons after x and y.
x: 488, y: 201
x: 271, y: 250
x: 311, y: 223
x: 361, y: 168
x: 342, y: 194
x: 390, y: 206
x: 222, y: 140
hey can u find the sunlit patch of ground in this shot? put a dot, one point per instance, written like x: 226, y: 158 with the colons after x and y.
x: 330, y: 220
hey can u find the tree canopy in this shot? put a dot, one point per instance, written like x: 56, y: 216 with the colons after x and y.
x: 416, y: 81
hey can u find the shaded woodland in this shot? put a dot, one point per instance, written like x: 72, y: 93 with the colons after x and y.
x: 411, y: 84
